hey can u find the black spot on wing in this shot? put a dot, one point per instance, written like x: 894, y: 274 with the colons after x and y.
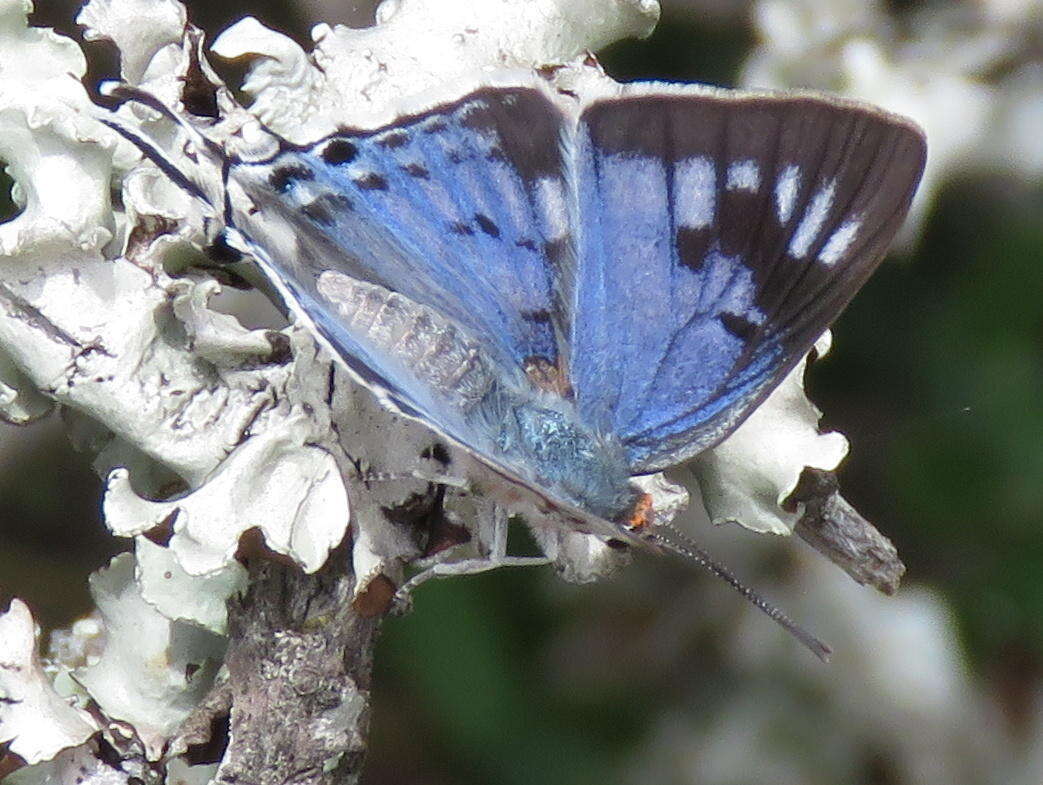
x: 458, y: 227
x: 745, y: 217
x: 393, y: 139
x: 559, y: 252
x: 692, y: 246
x: 416, y: 170
x: 541, y: 316
x: 318, y: 212
x: 339, y: 151
x: 527, y: 243
x: 487, y: 225
x: 338, y: 201
x: 282, y: 177
x: 738, y: 325
x: 371, y: 181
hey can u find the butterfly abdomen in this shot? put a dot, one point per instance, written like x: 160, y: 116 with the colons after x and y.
x: 422, y: 340
x: 534, y: 429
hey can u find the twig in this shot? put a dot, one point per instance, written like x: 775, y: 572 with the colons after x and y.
x: 299, y: 662
x: 835, y: 529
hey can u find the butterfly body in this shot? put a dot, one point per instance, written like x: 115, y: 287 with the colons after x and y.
x: 578, y: 292
x: 525, y: 426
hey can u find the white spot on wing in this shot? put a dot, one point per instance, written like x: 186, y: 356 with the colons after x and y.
x: 550, y: 195
x: 695, y: 182
x: 839, y: 241
x: 812, y: 220
x: 728, y: 286
x: 744, y: 176
x: 786, y: 192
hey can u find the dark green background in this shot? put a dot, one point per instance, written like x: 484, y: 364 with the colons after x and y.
x: 936, y: 379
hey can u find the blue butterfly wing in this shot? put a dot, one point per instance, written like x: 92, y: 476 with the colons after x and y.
x: 460, y: 208
x: 718, y: 235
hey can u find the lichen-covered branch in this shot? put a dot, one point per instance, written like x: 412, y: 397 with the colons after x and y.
x: 273, y: 505
x: 207, y: 433
x: 835, y: 529
x: 299, y: 661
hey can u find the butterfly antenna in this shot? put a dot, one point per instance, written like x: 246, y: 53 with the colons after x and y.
x: 675, y: 541
x: 147, y: 147
x: 122, y: 92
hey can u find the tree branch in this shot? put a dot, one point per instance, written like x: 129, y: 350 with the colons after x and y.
x: 299, y: 661
x: 835, y: 529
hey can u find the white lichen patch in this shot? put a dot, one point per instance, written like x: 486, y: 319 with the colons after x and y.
x: 35, y: 720
x: 418, y: 47
x: 72, y: 766
x: 20, y: 401
x: 748, y: 476
x: 292, y: 494
x: 57, y: 176
x: 180, y: 596
x: 140, y: 29
x: 152, y: 671
x: 204, y: 432
x: 214, y: 336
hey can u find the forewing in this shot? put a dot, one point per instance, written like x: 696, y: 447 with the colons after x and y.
x: 459, y: 208
x: 719, y: 234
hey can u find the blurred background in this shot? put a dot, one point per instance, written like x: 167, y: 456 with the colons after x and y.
x: 663, y: 675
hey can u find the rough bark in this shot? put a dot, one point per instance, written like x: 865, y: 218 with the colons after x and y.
x: 299, y: 662
x: 836, y: 530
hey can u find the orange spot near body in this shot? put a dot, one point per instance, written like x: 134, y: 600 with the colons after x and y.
x: 548, y: 376
x: 641, y: 514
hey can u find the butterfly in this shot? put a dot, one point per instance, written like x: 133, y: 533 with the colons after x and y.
x: 577, y: 292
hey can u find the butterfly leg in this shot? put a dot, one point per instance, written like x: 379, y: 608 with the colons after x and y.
x: 494, y: 558
x: 436, y: 478
x: 431, y: 466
